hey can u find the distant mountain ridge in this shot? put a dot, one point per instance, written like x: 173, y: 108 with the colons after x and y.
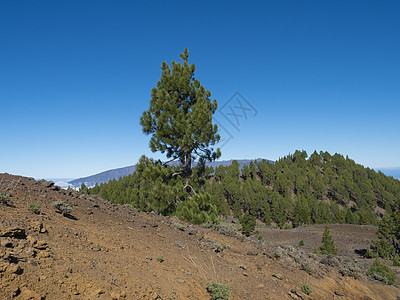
x: 106, y: 176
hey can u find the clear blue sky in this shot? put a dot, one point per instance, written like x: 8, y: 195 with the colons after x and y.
x: 75, y: 76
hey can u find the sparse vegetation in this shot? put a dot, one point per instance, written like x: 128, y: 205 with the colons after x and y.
x: 35, y: 208
x: 301, y: 243
x: 219, y: 247
x: 5, y: 199
x: 328, y: 245
x: 306, y: 289
x: 382, y: 272
x: 160, y: 258
x: 218, y: 291
x: 62, y: 207
x: 179, y: 226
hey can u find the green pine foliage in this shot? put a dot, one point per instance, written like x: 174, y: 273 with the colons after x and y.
x: 328, y: 245
x: 198, y: 210
x: 388, y: 245
x: 248, y: 223
x: 295, y: 190
x: 180, y: 116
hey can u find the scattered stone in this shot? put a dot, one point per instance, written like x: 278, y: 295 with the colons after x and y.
x: 31, y: 240
x: 278, y: 276
x: 43, y: 254
x: 115, y: 296
x: 98, y: 292
x: 245, y: 274
x: 339, y: 294
x: 252, y: 253
x: 15, y: 291
x: 9, y: 244
x: 38, y: 227
x: 243, y: 267
x: 192, y: 231
x: 14, y: 269
x: 49, y: 184
x: 260, y: 286
x: 41, y: 245
x: 180, y: 244
x: 29, y: 295
x: 14, y: 232
x: 295, y: 292
x: 3, y: 266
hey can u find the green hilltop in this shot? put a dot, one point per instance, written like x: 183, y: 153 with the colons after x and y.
x: 293, y: 191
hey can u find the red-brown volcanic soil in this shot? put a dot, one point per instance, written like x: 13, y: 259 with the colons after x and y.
x: 107, y: 251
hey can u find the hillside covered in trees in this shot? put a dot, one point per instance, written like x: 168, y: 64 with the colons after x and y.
x: 295, y: 190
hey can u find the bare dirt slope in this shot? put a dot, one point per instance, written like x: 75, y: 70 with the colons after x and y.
x: 107, y: 251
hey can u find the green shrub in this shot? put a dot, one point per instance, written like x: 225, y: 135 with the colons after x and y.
x: 218, y: 291
x: 306, y: 289
x: 382, y: 272
x: 62, y: 207
x: 301, y: 243
x: 219, y: 247
x: 35, y: 208
x: 5, y: 198
x: 160, y: 259
x: 179, y: 226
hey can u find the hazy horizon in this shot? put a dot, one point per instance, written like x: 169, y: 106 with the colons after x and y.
x: 315, y: 75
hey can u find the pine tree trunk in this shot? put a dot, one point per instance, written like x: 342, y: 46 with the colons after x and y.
x: 187, y: 168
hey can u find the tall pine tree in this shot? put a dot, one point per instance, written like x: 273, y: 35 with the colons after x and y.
x: 180, y: 117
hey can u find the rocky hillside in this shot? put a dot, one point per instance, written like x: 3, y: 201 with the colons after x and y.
x: 100, y: 250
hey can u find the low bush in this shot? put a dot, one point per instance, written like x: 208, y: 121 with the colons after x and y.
x: 179, y: 226
x: 382, y: 272
x: 62, y: 207
x: 218, y: 291
x: 5, y: 198
x: 306, y: 289
x: 35, y: 208
x: 160, y: 259
x: 219, y: 247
